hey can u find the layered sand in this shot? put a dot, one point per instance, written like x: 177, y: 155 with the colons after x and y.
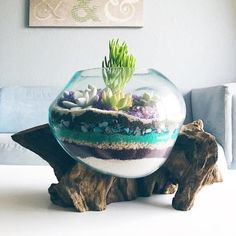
x: 120, y: 154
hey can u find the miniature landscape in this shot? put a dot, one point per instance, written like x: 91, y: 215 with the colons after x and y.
x: 114, y: 131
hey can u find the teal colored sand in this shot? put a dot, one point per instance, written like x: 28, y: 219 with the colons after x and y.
x: 151, y: 138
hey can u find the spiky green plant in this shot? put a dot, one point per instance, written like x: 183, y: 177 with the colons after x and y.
x: 117, y: 71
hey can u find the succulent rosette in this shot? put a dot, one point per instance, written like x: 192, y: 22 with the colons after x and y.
x: 116, y: 120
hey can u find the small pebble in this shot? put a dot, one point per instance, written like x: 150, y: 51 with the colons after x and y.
x: 137, y: 131
x: 126, y: 130
x: 114, y: 130
x: 65, y: 123
x: 103, y: 124
x: 92, y: 125
x: 108, y: 130
x: 148, y: 131
x: 159, y: 131
x: 97, y: 130
x: 84, y: 129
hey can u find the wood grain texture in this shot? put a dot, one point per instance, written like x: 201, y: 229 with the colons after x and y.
x: 190, y: 166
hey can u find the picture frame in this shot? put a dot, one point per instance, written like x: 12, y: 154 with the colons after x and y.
x: 86, y: 13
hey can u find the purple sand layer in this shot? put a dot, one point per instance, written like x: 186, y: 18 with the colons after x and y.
x: 83, y: 151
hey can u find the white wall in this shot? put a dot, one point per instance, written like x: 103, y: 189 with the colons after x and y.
x: 193, y: 42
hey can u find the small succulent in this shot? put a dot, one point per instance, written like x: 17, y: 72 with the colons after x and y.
x: 117, y: 100
x: 80, y: 99
x: 148, y: 99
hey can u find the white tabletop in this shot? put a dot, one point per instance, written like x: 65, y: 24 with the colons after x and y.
x: 25, y: 209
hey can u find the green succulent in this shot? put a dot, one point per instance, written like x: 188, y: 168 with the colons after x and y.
x: 119, y: 68
x: 117, y: 71
x: 149, y: 100
x: 117, y: 100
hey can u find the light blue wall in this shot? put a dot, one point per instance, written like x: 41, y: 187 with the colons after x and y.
x: 193, y: 42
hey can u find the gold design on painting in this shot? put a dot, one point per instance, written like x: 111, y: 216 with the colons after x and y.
x: 83, y: 12
x: 48, y: 9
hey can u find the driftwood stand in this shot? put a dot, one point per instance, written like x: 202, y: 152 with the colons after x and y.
x: 190, y: 166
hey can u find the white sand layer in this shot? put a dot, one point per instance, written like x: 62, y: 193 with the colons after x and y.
x: 125, y: 168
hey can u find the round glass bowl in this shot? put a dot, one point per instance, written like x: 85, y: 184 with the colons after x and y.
x: 117, y: 121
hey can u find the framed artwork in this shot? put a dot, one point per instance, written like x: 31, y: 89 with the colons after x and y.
x: 86, y: 13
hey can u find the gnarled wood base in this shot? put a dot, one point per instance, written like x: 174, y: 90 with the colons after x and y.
x: 190, y: 166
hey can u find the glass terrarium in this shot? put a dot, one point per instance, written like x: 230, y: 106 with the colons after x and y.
x: 118, y: 121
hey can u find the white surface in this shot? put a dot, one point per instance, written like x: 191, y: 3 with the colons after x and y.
x: 190, y: 41
x: 25, y: 209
